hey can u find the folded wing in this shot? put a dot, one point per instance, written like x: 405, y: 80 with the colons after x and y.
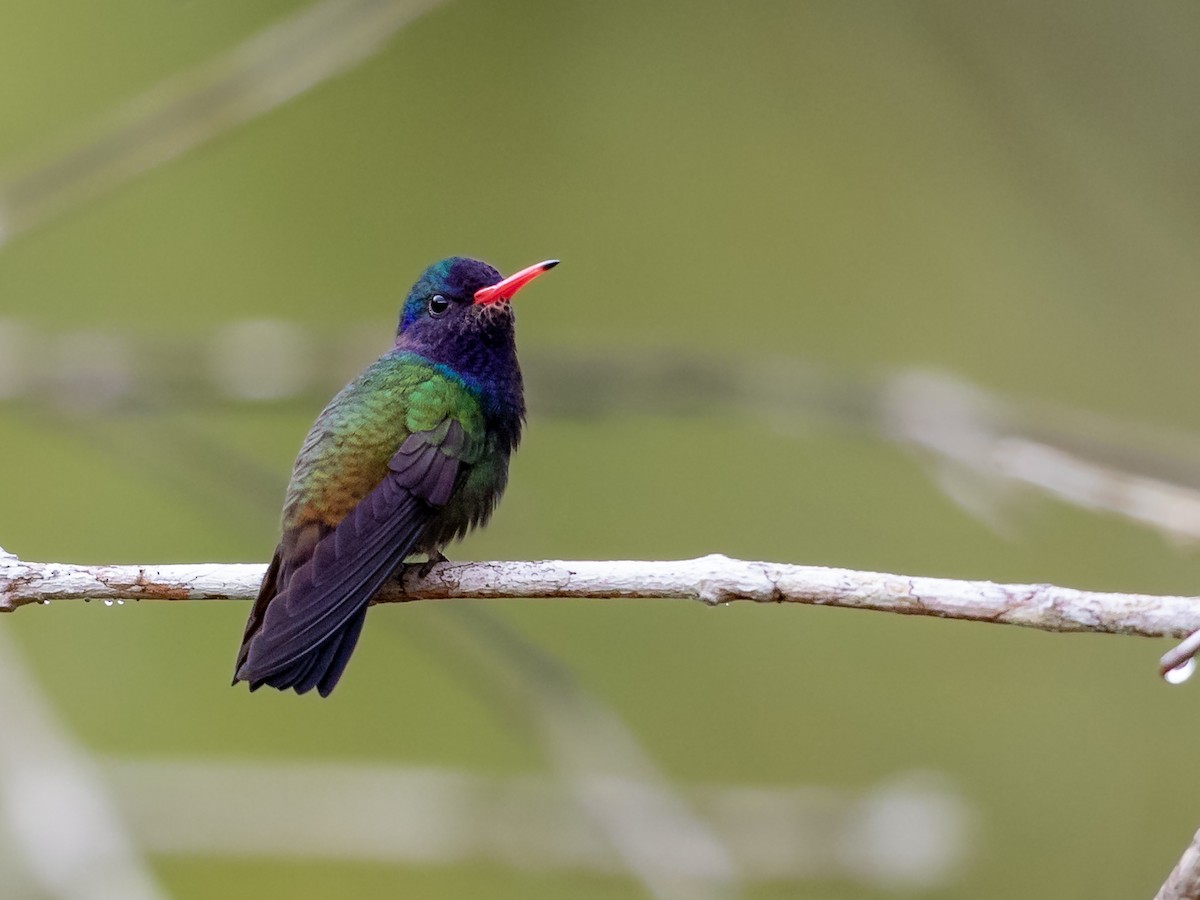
x: 310, y: 611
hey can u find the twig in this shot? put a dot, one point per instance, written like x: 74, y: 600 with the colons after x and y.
x: 1180, y: 655
x: 195, y: 106
x: 984, y: 445
x: 661, y: 838
x: 59, y: 816
x: 711, y: 579
x: 1184, y: 881
x: 357, y: 811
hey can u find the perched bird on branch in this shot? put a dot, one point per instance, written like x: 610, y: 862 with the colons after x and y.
x: 409, y: 456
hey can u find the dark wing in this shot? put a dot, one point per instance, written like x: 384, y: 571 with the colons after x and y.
x: 308, y: 616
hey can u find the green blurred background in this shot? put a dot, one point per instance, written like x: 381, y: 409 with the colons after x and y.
x: 1007, y: 192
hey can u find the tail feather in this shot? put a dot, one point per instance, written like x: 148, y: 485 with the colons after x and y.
x: 347, y: 567
x: 313, y: 601
x: 324, y: 665
x: 337, y: 661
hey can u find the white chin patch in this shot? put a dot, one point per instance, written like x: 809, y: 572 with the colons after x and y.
x: 496, y: 308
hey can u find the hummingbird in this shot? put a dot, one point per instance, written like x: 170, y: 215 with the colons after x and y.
x: 409, y: 456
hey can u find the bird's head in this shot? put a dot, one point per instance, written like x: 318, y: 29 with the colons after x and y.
x: 460, y: 299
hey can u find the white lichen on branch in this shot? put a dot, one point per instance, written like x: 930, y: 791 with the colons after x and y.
x: 711, y: 579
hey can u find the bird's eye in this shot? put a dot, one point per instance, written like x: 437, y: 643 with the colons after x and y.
x: 438, y: 305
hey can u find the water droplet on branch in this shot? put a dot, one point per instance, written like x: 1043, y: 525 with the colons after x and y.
x: 1181, y: 672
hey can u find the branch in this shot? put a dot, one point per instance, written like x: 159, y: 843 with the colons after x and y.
x: 711, y: 579
x: 1184, y: 881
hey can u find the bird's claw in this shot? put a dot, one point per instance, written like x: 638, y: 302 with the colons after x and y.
x: 434, y: 558
x: 424, y: 568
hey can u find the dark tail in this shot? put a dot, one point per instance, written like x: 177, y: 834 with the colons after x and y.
x: 313, y: 601
x: 323, y: 665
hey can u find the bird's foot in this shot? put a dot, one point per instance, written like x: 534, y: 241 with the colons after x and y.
x: 423, y: 568
x: 434, y: 558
